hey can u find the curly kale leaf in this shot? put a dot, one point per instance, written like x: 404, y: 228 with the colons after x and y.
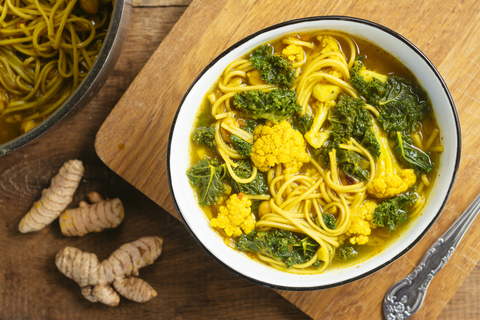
x: 244, y: 168
x: 349, y: 118
x: 281, y: 245
x: 273, y: 69
x: 243, y: 147
x: 206, y: 176
x: 410, y: 155
x: 346, y: 253
x: 206, y: 136
x: 393, y: 212
x: 276, y: 105
x: 402, y: 107
x: 373, y: 90
x: 302, y: 123
x: 353, y: 164
x: 329, y: 221
x: 249, y: 125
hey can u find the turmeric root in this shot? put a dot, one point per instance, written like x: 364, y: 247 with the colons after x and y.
x: 119, y: 270
x: 54, y: 199
x: 100, y: 215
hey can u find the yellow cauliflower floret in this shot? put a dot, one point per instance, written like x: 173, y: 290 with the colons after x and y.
x: 391, y: 184
x: 329, y: 44
x: 235, y: 216
x: 278, y: 143
x: 361, y: 226
x: 293, y: 53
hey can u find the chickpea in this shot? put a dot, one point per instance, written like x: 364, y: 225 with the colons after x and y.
x: 254, y: 78
x: 91, y: 6
x: 225, y: 134
x: 264, y: 208
x: 27, y: 126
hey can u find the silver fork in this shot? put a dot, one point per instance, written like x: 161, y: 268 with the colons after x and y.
x: 406, y: 296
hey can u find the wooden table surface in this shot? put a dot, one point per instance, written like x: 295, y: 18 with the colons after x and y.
x: 190, y: 284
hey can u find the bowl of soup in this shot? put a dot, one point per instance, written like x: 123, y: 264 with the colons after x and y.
x: 314, y: 152
x: 48, y: 69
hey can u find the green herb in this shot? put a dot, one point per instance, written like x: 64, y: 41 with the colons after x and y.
x: 244, y: 168
x: 329, y: 221
x: 402, y: 107
x: 243, y: 147
x: 276, y: 105
x: 393, y: 212
x: 206, y: 176
x: 346, y: 253
x: 281, y: 245
x: 273, y: 69
x: 350, y: 119
x: 302, y: 123
x: 353, y: 164
x: 410, y: 155
x: 205, y: 136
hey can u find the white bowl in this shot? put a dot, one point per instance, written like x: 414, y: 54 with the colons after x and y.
x: 178, y: 154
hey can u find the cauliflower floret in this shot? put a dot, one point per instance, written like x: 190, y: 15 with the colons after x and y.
x: 330, y: 44
x: 390, y: 184
x: 361, y: 226
x: 278, y: 143
x: 390, y: 180
x: 293, y: 53
x: 235, y: 216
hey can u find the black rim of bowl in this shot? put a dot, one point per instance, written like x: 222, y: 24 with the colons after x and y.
x: 78, y: 96
x: 312, y: 19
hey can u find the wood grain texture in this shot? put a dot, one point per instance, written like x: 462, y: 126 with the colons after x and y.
x: 189, y: 283
x: 446, y: 31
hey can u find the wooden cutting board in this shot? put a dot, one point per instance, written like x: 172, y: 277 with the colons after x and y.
x: 133, y: 139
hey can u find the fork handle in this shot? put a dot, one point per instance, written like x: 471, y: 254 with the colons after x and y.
x: 405, y: 297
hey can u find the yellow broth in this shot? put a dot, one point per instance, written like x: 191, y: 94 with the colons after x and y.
x: 375, y: 59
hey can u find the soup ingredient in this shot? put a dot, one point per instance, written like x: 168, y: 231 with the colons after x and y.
x: 401, y: 104
x: 100, y: 215
x: 243, y: 170
x: 368, y: 83
x: 361, y: 225
x: 293, y: 53
x: 389, y: 180
x: 392, y: 212
x: 205, y: 136
x: 353, y: 164
x: 119, y: 269
x: 329, y: 221
x: 235, y: 216
x: 206, y: 176
x: 302, y: 123
x: 281, y: 245
x: 243, y: 147
x: 273, y: 69
x: 350, y: 118
x: 346, y: 253
x: 54, y: 199
x: 276, y: 105
x: 278, y: 143
x: 316, y: 137
x: 402, y: 107
x: 412, y: 156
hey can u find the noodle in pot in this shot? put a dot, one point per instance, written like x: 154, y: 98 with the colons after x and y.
x: 46, y: 50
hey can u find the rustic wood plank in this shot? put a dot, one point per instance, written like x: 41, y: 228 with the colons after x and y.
x: 442, y: 29
x: 190, y: 284
x: 160, y: 3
